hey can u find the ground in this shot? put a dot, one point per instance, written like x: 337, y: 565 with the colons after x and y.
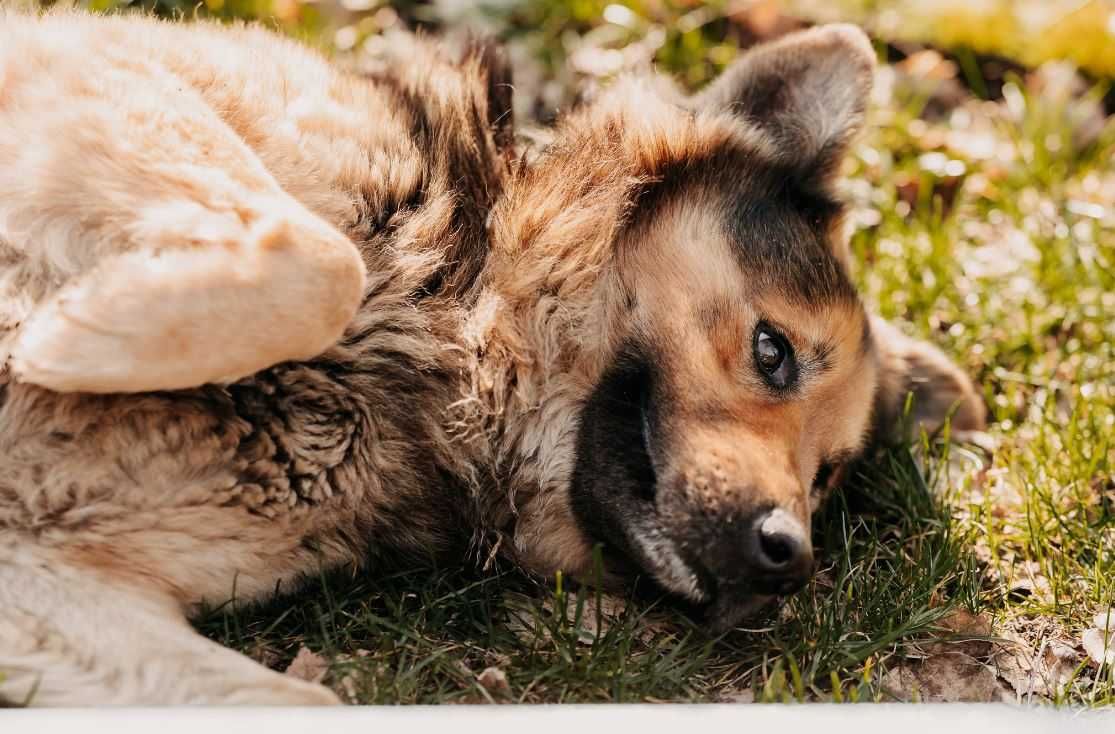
x: 984, y: 220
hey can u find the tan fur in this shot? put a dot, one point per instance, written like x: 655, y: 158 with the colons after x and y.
x: 220, y: 205
x: 754, y: 437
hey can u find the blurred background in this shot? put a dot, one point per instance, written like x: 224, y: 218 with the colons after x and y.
x: 559, y: 44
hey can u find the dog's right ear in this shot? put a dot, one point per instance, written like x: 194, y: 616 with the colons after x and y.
x: 939, y: 389
x: 807, y: 91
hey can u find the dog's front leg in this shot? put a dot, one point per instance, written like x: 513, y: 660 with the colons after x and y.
x: 70, y: 637
x: 938, y: 388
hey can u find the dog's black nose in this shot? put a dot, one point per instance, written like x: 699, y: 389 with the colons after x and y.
x: 781, y: 552
x: 765, y: 553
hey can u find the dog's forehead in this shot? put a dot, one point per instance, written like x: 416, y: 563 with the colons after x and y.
x: 682, y: 254
x: 707, y: 244
x: 778, y: 225
x: 784, y: 238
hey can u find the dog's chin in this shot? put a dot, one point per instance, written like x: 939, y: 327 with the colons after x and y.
x: 663, y: 569
x: 725, y: 612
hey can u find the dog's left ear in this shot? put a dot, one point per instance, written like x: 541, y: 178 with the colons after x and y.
x: 940, y: 390
x: 807, y: 91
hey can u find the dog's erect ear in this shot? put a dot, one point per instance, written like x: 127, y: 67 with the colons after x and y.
x: 940, y: 389
x: 808, y: 91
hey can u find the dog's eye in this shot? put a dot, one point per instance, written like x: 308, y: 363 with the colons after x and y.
x: 824, y: 475
x: 769, y: 351
x: 828, y: 476
x: 774, y: 357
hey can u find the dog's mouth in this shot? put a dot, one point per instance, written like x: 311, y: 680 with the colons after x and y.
x: 614, y: 492
x: 662, y: 567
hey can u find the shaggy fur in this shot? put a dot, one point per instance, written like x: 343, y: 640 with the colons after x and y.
x: 260, y: 317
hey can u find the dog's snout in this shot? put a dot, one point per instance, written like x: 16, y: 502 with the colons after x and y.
x: 765, y: 552
x: 781, y: 552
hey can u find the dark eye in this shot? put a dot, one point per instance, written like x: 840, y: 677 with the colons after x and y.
x: 774, y: 357
x: 824, y: 475
x: 828, y: 476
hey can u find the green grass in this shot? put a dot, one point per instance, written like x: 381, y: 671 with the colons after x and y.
x: 893, y: 567
x: 987, y: 227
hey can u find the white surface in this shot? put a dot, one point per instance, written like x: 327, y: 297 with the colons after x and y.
x: 612, y: 719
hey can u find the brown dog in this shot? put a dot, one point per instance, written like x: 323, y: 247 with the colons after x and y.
x: 259, y: 317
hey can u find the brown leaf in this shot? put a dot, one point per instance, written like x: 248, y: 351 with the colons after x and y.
x: 964, y: 631
x: 953, y: 668
x: 945, y: 677
x: 963, y: 622
x: 307, y: 665
x: 1042, y: 673
x: 494, y: 681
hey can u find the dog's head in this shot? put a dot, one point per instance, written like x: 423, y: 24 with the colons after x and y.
x: 734, y: 368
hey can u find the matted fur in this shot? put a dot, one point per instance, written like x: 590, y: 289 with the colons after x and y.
x: 495, y: 293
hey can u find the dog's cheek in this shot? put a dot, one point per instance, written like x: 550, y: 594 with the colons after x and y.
x: 940, y: 390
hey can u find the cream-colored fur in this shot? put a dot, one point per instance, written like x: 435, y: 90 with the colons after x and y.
x: 160, y: 249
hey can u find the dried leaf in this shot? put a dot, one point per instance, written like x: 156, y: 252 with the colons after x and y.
x: 1099, y: 641
x: 945, y: 677
x: 1100, y: 646
x: 307, y: 665
x: 494, y: 681
x: 963, y: 622
x: 951, y: 669
x: 1042, y: 673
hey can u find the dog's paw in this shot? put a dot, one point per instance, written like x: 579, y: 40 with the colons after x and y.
x: 208, y: 310
x: 281, y: 691
x: 938, y: 389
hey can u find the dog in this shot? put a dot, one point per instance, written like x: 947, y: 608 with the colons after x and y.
x: 261, y: 316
